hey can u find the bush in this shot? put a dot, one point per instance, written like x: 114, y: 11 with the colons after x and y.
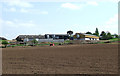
x: 4, y: 42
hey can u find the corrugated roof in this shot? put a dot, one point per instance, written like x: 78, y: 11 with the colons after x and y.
x: 89, y: 35
x: 2, y: 38
x: 32, y: 36
x: 55, y: 34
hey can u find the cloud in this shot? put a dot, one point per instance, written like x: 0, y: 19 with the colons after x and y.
x: 27, y: 24
x: 9, y: 23
x: 19, y: 3
x: 70, y: 6
x: 44, y: 12
x: 24, y: 11
x: 92, y: 3
x: 116, y: 1
x: 1, y: 21
x: 12, y: 9
x: 33, y: 11
x: 77, y: 7
x: 112, y: 20
x: 17, y: 23
x: 111, y: 25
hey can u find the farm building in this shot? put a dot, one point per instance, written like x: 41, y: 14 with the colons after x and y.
x: 42, y: 38
x: 82, y: 36
x: 25, y: 38
x: 2, y: 38
x: 56, y: 36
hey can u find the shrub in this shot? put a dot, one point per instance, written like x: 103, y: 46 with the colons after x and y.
x: 5, y: 43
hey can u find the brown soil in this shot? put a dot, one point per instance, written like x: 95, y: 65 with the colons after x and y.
x: 64, y: 59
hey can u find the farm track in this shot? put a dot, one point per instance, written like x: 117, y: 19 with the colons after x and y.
x: 64, y: 59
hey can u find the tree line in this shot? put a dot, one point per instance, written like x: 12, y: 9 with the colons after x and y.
x: 103, y: 35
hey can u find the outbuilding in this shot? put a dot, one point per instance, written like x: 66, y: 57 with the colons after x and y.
x: 82, y: 36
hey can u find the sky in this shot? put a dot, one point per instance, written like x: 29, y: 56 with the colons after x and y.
x: 20, y: 17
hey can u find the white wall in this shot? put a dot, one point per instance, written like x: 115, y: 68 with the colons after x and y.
x: 87, y: 38
x: 45, y: 40
x: 58, y: 40
x: 26, y: 40
x: 82, y: 39
x: 97, y: 39
x: 50, y: 40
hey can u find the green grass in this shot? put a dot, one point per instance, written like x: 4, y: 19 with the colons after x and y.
x: 67, y: 41
x: 100, y: 42
x: 110, y: 40
x: 115, y: 39
x: 16, y: 45
x: 42, y: 44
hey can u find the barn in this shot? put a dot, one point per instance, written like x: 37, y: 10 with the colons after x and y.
x: 56, y: 36
x: 2, y: 38
x: 25, y: 38
x: 42, y: 38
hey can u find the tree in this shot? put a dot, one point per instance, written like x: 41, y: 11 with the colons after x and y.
x: 102, y: 33
x: 88, y: 32
x: 96, y: 32
x: 70, y: 34
x: 105, y: 36
x: 34, y: 42
x: 5, y: 43
x: 116, y: 36
x: 109, y: 36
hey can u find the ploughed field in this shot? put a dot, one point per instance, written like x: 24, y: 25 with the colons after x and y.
x: 64, y: 59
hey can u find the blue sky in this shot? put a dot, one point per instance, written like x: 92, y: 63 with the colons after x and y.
x: 29, y: 18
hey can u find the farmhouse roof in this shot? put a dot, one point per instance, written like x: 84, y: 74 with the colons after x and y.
x: 31, y: 36
x: 89, y: 35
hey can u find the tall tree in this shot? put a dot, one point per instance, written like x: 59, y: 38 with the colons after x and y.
x: 96, y: 32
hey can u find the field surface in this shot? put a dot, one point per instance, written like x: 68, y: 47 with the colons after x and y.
x: 64, y: 59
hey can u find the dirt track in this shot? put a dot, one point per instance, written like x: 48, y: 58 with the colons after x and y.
x: 68, y: 59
